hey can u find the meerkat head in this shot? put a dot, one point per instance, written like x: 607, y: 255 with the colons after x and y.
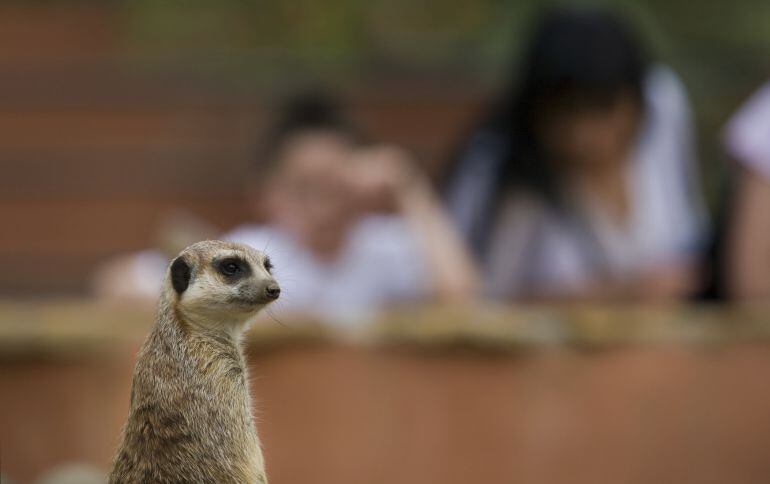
x: 221, y: 284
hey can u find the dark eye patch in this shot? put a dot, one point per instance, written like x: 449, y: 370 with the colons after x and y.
x: 268, y: 265
x: 180, y: 275
x: 232, y: 267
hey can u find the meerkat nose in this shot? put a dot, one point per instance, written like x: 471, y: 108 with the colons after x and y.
x: 272, y: 291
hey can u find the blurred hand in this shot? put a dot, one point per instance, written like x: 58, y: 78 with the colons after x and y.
x: 668, y: 283
x: 382, y: 176
x: 387, y: 179
x: 659, y: 284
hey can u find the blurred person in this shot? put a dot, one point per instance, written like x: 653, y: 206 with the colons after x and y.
x: 747, y: 257
x: 138, y: 276
x: 350, y: 227
x: 582, y: 182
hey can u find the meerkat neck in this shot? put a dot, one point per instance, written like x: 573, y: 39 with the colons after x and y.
x: 170, y: 320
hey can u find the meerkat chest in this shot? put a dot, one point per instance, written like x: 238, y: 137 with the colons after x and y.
x: 227, y: 383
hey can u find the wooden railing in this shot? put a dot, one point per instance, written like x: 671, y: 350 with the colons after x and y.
x: 63, y: 327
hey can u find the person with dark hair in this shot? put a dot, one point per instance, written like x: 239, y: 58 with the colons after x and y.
x: 581, y: 183
x: 350, y: 226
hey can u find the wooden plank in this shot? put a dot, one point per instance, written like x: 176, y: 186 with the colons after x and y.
x: 103, y: 174
x: 79, y: 129
x: 66, y: 226
x: 55, y: 245
x: 51, y: 32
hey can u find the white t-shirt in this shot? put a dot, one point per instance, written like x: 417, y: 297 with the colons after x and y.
x: 747, y: 136
x: 380, y: 264
x: 136, y: 276
x: 536, y: 249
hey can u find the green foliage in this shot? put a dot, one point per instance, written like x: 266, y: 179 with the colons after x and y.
x: 436, y: 34
x: 721, y: 49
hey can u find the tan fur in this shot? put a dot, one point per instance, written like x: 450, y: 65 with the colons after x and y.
x: 190, y: 413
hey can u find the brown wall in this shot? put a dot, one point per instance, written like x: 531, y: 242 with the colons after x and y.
x: 94, y: 148
x: 331, y: 413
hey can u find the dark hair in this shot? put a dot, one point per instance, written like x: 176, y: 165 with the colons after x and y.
x: 577, y: 59
x: 308, y: 112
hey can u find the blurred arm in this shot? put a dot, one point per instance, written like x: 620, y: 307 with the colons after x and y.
x: 669, y: 159
x: 391, y: 173
x: 454, y: 274
x: 658, y: 285
x: 748, y: 245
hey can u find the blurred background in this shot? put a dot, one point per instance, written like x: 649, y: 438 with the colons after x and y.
x: 130, y: 129
x: 113, y: 112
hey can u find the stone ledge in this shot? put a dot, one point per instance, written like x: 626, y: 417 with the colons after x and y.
x: 78, y: 328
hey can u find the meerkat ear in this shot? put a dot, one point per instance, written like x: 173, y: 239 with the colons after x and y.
x: 180, y: 275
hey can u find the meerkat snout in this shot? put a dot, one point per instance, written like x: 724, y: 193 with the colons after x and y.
x: 272, y: 291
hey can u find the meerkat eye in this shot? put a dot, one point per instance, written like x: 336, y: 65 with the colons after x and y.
x: 232, y: 267
x: 268, y: 265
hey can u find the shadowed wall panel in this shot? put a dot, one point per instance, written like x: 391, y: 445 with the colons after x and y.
x: 338, y: 414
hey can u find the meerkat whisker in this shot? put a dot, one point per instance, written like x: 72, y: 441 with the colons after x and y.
x: 274, y: 318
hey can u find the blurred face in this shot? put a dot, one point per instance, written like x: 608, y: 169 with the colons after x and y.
x: 591, y: 138
x: 309, y: 196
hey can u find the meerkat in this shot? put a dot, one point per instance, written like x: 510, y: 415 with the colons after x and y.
x: 190, y: 414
